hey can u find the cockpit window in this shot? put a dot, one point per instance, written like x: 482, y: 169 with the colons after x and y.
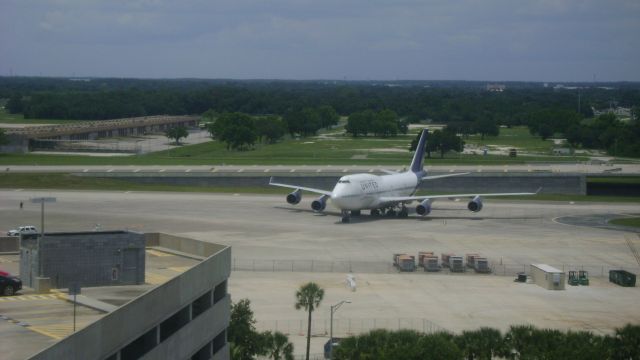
x: 344, y: 182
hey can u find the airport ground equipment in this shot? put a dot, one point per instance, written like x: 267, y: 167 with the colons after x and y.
x: 422, y: 255
x: 481, y: 265
x: 583, y: 277
x: 478, y: 263
x: 456, y: 264
x: 445, y: 259
x: 622, y: 278
x: 548, y: 277
x: 404, y: 262
x: 573, y: 278
x: 470, y: 259
x: 430, y: 263
x: 521, y: 277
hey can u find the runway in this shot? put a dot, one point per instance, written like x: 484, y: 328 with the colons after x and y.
x: 265, y: 230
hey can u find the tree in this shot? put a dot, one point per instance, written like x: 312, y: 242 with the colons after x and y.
x: 14, y: 105
x: 359, y: 123
x: 484, y: 344
x: 277, y: 346
x: 244, y: 340
x: 4, y: 139
x: 328, y: 116
x: 545, y: 131
x: 176, y: 133
x: 626, y: 342
x: 308, y: 297
x: 235, y: 129
x: 385, y: 123
x: 486, y: 125
x: 272, y: 128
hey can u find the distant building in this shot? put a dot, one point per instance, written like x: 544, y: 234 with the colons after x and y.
x: 496, y: 87
x: 617, y: 111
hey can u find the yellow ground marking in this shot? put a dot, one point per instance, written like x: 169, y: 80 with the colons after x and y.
x: 180, y: 269
x: 157, y: 253
x: 30, y: 297
x: 56, y: 331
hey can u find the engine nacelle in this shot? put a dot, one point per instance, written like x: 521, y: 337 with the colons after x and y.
x: 475, y: 205
x: 294, y: 197
x: 424, y: 208
x: 320, y: 203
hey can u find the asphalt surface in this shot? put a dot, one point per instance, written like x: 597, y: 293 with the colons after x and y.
x: 277, y: 247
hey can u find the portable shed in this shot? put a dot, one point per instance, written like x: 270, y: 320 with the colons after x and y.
x: 547, y: 276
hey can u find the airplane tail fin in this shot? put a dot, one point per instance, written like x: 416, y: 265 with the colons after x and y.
x: 418, y: 158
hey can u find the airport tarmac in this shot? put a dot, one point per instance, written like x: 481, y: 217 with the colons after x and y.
x: 277, y: 247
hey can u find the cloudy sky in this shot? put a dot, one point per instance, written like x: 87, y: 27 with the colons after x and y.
x: 539, y: 40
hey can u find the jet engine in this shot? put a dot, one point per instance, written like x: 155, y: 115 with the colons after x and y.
x: 320, y: 203
x: 475, y: 205
x: 294, y: 197
x: 424, y: 208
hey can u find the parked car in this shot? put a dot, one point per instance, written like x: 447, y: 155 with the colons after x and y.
x: 27, y: 229
x: 9, y: 284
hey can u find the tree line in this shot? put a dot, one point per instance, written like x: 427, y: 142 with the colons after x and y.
x: 520, y: 342
x: 444, y: 102
x: 240, y: 131
x: 371, y: 107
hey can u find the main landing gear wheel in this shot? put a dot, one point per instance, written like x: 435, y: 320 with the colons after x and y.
x: 355, y: 212
x: 391, y: 213
x: 375, y: 212
x: 346, y: 216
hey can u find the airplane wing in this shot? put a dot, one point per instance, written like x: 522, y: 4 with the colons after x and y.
x: 452, y: 196
x: 317, y: 191
x: 442, y: 176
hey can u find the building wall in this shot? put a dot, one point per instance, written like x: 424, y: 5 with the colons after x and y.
x: 90, y: 259
x: 163, y: 323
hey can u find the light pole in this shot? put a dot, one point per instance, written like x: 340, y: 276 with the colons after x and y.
x: 41, y: 201
x: 334, y: 308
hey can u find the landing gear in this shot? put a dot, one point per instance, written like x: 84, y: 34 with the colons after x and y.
x: 355, y: 212
x: 403, y: 213
x: 391, y: 212
x: 375, y: 212
x: 346, y: 216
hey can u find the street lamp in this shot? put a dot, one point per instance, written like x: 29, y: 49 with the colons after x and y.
x: 334, y: 308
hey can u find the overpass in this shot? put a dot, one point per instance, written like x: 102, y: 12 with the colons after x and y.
x: 23, y: 140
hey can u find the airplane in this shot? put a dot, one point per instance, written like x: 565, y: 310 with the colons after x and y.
x: 385, y: 194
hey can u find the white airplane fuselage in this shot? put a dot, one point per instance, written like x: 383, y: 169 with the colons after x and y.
x: 364, y: 191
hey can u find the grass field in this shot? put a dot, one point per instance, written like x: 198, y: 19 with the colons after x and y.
x: 634, y: 222
x: 516, y: 137
x: 327, y: 149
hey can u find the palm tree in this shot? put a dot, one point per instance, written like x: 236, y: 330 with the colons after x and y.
x: 309, y: 297
x: 277, y: 346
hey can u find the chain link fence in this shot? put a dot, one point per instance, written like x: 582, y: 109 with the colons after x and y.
x: 343, y: 327
x: 382, y: 267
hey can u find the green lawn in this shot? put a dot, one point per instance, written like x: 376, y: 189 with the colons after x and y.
x: 71, y: 182
x: 635, y: 222
x: 516, y: 137
x: 320, y: 150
